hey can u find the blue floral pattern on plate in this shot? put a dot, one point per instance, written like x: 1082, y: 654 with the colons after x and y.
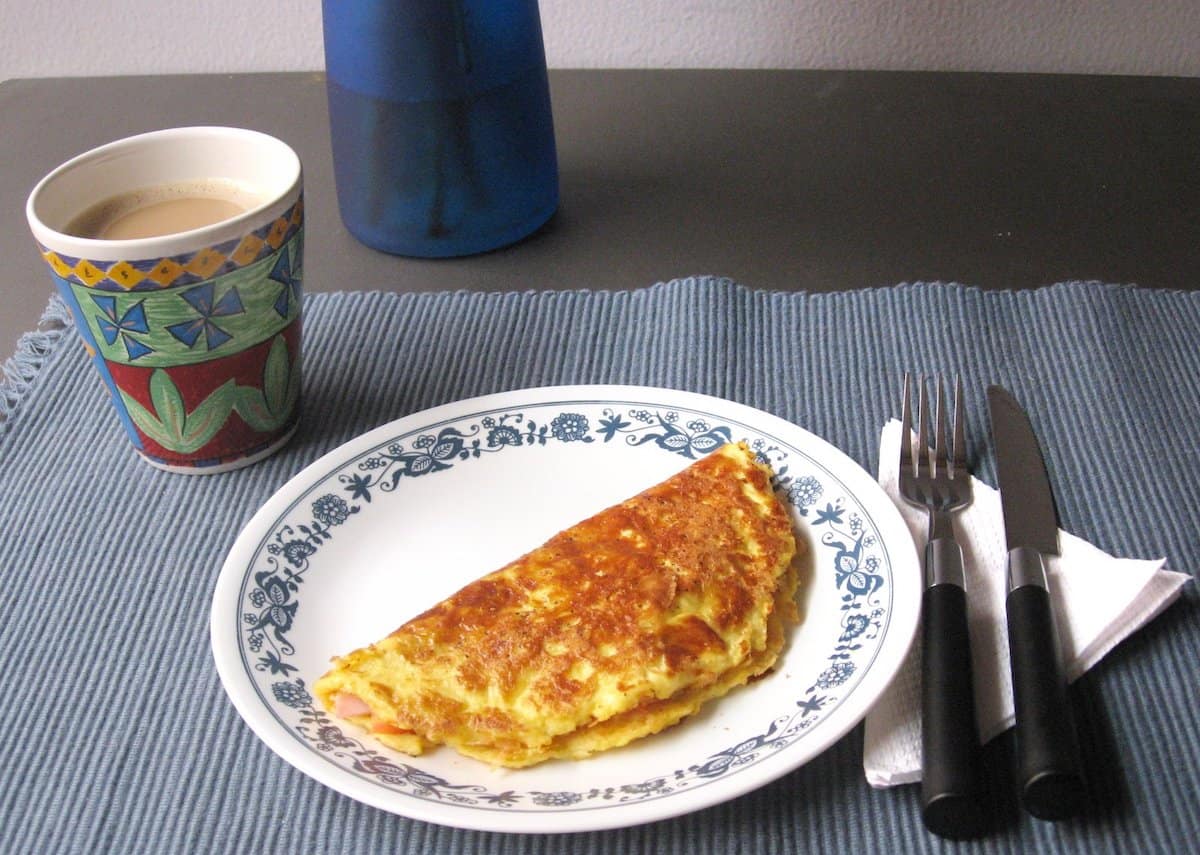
x: 841, y: 533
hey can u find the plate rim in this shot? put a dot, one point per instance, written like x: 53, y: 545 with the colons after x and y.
x: 886, y: 662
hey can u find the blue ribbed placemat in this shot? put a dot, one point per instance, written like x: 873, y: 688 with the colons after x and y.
x: 117, y: 735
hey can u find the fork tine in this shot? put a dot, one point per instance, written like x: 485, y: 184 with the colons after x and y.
x: 933, y: 451
x: 960, y: 430
x: 941, y: 434
x: 906, y: 455
x: 923, y: 449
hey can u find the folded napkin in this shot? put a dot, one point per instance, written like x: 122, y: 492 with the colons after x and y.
x: 1098, y: 599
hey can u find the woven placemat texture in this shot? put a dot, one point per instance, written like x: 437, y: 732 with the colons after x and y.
x: 118, y: 737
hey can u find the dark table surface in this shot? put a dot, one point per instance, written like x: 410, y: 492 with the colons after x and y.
x: 793, y: 180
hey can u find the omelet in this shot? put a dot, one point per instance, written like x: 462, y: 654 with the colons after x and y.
x: 612, y: 630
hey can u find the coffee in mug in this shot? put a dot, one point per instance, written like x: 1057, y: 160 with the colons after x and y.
x: 164, y: 209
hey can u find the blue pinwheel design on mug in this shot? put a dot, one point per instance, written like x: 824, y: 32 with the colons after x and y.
x: 210, y: 311
x: 131, y: 320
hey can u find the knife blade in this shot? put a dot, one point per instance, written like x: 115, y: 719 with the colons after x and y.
x: 1048, y: 757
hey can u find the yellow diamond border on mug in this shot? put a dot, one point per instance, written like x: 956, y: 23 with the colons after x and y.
x: 205, y: 263
x: 57, y: 264
x: 88, y: 273
x: 125, y: 275
x: 248, y: 250
x: 165, y: 272
x: 192, y: 266
x: 278, y: 231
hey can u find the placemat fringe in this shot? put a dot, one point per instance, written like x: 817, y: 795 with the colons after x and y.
x: 22, y: 367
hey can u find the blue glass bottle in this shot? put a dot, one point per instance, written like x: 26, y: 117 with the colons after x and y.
x: 439, y: 110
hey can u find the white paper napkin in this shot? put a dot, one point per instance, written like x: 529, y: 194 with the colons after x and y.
x: 1098, y: 600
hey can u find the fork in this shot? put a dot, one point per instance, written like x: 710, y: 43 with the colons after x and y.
x: 934, y: 476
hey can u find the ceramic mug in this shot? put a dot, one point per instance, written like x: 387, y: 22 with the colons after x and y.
x: 196, y: 332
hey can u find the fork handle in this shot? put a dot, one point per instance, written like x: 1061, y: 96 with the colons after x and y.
x: 952, y: 803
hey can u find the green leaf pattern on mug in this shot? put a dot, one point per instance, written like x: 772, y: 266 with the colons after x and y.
x: 174, y: 428
x: 168, y: 403
x: 268, y: 410
x: 170, y: 425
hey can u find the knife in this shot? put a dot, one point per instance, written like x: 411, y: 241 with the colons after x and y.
x: 1048, y: 757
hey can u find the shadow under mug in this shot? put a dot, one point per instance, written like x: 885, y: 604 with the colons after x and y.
x: 196, y: 334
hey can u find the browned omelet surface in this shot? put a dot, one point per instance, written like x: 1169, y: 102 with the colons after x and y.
x: 612, y: 630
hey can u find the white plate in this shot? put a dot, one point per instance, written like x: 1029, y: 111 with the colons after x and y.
x: 385, y: 526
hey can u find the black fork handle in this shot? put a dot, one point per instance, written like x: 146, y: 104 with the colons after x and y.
x: 952, y: 800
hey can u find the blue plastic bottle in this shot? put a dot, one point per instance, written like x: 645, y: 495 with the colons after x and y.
x: 443, y: 141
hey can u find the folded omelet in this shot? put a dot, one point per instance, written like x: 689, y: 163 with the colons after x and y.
x: 612, y: 630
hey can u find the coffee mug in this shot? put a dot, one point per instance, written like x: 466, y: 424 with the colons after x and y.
x: 180, y: 254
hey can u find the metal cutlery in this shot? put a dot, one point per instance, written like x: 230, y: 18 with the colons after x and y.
x: 933, y: 475
x: 1048, y: 756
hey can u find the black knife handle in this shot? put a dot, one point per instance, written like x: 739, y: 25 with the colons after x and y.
x: 952, y: 802
x: 1051, y: 774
